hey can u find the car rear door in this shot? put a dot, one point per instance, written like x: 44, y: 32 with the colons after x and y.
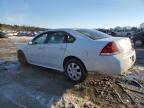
x: 36, y: 50
x: 55, y: 49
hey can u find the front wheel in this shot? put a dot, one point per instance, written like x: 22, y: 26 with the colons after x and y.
x: 22, y: 59
x: 75, y: 70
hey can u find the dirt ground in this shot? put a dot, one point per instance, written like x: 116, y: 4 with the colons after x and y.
x: 37, y: 87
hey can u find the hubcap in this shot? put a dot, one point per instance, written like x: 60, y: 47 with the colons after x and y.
x: 74, y: 71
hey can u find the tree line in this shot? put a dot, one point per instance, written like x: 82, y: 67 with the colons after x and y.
x: 20, y: 27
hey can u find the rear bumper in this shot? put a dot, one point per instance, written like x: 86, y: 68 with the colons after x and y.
x: 117, y: 64
x: 128, y: 61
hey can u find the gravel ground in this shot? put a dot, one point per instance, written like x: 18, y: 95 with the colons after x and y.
x: 37, y: 87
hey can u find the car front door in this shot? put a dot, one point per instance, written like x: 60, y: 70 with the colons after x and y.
x: 36, y: 50
x: 55, y: 49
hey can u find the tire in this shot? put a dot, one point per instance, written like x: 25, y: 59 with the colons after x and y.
x: 75, y: 70
x: 138, y: 43
x: 22, y: 59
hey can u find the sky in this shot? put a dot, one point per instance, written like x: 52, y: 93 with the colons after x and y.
x: 72, y: 13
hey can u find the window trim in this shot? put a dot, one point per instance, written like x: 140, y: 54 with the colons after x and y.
x: 46, y: 41
x: 65, y: 37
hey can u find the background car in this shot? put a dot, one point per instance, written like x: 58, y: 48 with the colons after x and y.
x: 2, y: 35
x: 138, y: 39
x: 77, y: 52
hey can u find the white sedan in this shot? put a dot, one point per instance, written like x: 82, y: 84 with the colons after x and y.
x: 77, y: 52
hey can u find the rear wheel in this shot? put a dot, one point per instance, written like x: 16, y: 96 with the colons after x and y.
x: 75, y: 70
x: 22, y: 59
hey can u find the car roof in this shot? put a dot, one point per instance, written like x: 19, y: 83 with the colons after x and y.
x: 71, y: 31
x: 60, y: 29
x: 66, y: 29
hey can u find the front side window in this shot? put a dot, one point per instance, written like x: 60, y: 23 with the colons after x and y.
x: 56, y: 37
x: 41, y: 39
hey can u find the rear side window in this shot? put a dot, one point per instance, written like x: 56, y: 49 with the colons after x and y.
x: 93, y: 34
x: 56, y: 37
x: 59, y: 37
x: 70, y: 39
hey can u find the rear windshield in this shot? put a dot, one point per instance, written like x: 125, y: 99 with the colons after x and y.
x: 93, y: 34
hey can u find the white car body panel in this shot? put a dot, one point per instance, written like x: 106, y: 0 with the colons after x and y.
x: 85, y: 49
x: 54, y: 55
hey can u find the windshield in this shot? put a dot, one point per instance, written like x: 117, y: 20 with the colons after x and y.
x: 93, y: 34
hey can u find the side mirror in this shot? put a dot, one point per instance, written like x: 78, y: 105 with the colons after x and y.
x: 30, y: 43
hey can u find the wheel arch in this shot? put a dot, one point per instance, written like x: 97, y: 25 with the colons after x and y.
x: 20, y: 51
x: 73, y: 57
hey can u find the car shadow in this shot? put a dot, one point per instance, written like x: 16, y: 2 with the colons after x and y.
x: 35, y: 81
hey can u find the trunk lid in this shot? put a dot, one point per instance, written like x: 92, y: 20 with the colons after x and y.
x: 124, y: 44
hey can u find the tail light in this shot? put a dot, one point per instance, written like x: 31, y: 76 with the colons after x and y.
x: 110, y: 49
